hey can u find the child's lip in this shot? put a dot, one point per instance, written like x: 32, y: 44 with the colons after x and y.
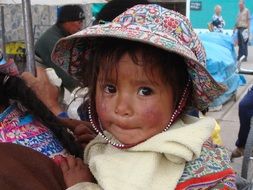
x: 121, y: 126
x: 124, y: 127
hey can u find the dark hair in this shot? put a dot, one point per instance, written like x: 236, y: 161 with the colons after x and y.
x: 171, y: 66
x: 114, y: 8
x: 68, y: 13
x: 15, y: 89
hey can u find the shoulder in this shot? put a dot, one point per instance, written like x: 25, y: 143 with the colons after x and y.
x: 48, y: 39
x: 214, y: 16
x: 211, y: 166
x: 246, y: 11
x: 188, y: 119
x: 53, y: 32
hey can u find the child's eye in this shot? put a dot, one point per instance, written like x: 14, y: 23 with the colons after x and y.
x: 110, y: 89
x: 145, y: 91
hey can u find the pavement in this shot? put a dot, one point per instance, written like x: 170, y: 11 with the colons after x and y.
x: 228, y: 117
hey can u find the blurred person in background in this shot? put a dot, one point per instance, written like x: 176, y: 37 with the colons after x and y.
x: 242, y: 25
x: 217, y: 21
x: 69, y: 21
x: 245, y: 115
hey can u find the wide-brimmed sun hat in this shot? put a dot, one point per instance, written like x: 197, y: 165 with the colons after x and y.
x: 156, y: 26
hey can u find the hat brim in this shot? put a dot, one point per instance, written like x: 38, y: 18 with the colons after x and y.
x: 205, y: 88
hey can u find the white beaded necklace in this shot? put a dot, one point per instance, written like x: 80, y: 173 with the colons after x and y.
x: 180, y: 106
x: 101, y: 132
x: 172, y: 119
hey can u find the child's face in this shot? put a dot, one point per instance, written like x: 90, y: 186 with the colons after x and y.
x: 218, y: 10
x: 131, y: 106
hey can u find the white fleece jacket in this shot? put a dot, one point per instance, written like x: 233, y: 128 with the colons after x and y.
x: 157, y: 163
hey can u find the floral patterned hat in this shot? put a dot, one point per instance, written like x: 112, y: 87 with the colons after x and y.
x: 154, y: 25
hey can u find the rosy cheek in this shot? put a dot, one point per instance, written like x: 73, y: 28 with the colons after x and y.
x: 101, y: 107
x: 152, y: 115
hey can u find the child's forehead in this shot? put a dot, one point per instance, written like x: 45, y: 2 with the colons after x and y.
x: 135, y: 61
x: 139, y: 55
x: 137, y: 58
x: 134, y: 72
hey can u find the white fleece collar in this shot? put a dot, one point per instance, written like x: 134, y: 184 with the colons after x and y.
x: 157, y: 163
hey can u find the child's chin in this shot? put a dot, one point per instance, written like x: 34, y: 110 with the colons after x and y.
x: 131, y: 142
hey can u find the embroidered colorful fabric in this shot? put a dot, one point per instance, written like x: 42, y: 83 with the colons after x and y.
x: 154, y: 25
x: 210, y: 171
x: 8, y: 67
x: 22, y: 128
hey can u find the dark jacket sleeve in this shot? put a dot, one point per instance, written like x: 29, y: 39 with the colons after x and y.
x: 44, y: 47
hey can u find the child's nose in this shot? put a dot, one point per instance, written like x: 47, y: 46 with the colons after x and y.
x: 123, y: 105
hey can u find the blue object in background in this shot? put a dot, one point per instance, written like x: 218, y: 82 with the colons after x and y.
x: 221, y: 63
x: 96, y: 7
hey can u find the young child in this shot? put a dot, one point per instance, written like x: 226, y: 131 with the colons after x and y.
x: 144, y: 70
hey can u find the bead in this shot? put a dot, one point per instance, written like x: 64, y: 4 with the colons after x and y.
x: 101, y: 132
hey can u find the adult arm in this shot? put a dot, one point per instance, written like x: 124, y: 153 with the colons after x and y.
x: 48, y: 94
x: 248, y: 20
x: 81, y: 129
x: 44, y: 89
x: 223, y: 22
